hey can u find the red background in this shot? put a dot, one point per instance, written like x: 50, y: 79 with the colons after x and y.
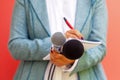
x: 111, y: 65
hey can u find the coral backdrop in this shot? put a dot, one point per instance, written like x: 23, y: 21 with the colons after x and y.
x: 111, y: 62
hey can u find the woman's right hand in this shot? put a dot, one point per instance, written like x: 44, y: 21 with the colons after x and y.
x: 73, y: 34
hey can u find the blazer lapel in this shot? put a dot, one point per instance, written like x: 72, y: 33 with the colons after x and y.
x: 82, y: 13
x: 41, y: 11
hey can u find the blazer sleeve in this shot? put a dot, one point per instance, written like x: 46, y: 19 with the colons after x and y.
x: 20, y: 46
x: 95, y: 55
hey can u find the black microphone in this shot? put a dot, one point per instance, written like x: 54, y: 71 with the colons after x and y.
x: 58, y: 39
x: 73, y: 49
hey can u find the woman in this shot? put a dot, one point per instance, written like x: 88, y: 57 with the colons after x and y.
x: 34, y: 22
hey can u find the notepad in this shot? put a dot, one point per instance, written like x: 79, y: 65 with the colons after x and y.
x: 89, y: 44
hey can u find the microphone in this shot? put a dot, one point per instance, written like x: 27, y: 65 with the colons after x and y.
x: 58, y: 39
x: 73, y: 49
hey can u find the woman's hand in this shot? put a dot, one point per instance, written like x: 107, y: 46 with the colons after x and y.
x: 73, y: 34
x: 59, y: 60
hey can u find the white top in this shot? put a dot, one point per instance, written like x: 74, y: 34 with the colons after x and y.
x: 57, y: 9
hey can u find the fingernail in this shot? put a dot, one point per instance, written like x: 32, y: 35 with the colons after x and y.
x: 82, y: 38
x: 51, y: 51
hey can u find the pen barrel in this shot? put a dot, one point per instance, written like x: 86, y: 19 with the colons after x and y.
x: 69, y: 25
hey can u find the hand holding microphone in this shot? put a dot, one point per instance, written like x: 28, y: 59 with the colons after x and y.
x: 59, y: 59
x: 65, y: 51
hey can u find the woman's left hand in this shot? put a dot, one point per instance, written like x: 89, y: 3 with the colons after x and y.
x: 59, y: 59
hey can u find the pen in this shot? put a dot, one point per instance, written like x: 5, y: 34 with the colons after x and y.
x: 69, y: 25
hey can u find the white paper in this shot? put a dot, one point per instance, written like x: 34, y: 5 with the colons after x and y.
x: 47, y: 57
x: 89, y: 44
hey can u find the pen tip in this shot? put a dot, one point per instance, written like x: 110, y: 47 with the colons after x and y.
x: 64, y: 18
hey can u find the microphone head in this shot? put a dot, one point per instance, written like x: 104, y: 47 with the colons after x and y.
x: 58, y: 39
x: 73, y: 49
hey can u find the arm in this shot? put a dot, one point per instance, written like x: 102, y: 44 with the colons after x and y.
x: 20, y: 46
x: 99, y: 28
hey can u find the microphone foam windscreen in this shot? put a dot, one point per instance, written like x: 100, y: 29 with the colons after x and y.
x: 58, y: 39
x: 73, y: 49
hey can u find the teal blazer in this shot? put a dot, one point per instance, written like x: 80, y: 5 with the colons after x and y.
x: 30, y: 38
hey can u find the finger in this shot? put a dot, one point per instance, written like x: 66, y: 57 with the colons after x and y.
x: 59, y: 63
x: 71, y: 36
x: 55, y: 55
x: 60, y: 60
x: 63, y: 59
x: 58, y: 56
x: 74, y: 32
x: 78, y: 34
